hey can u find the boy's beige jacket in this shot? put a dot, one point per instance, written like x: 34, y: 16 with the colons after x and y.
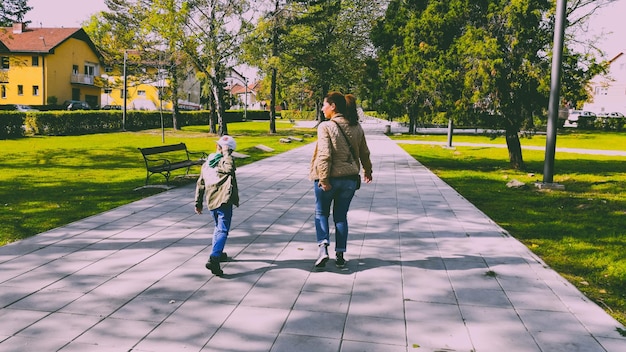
x: 222, y: 187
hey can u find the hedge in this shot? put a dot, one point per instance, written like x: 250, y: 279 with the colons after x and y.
x: 55, y: 123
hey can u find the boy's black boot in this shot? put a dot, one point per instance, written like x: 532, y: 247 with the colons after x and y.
x: 214, y: 265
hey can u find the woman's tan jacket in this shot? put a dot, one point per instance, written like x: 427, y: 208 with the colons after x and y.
x: 332, y: 157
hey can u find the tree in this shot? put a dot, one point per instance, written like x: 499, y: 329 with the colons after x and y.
x: 13, y: 11
x: 206, y: 34
x: 490, y: 57
x: 314, y: 46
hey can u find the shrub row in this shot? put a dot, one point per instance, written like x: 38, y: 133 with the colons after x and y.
x: 11, y: 124
x: 17, y: 124
x: 601, y: 123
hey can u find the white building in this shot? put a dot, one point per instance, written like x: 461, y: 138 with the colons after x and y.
x: 609, y: 92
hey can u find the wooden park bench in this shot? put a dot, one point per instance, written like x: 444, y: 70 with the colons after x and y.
x: 166, y: 158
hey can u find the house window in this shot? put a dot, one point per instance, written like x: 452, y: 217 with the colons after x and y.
x: 601, y: 90
x: 35, y: 90
x: 141, y: 93
x: 74, y: 69
x: 3, y: 92
x: 4, y: 61
x: 20, y: 89
x: 90, y: 70
x: 35, y: 61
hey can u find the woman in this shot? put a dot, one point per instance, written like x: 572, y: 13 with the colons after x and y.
x: 340, y: 152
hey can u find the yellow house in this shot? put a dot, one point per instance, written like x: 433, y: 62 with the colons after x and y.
x: 148, y: 91
x: 47, y: 66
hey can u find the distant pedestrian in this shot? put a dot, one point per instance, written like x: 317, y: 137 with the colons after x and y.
x: 218, y: 183
x: 340, y: 152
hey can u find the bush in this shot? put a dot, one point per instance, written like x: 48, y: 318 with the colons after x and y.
x: 57, y: 123
x: 298, y: 115
x: 11, y: 124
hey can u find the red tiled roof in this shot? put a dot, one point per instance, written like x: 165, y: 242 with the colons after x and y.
x: 39, y: 40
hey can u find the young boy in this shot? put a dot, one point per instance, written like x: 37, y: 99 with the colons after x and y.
x: 218, y: 183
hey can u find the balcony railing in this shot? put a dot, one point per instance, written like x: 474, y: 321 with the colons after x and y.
x: 83, y: 79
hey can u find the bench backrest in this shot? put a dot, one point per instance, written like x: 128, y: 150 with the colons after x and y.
x: 163, y: 149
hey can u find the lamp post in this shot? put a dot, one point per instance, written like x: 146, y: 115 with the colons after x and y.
x: 124, y: 94
x: 553, y: 105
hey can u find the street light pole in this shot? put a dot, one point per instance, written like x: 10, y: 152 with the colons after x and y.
x: 553, y: 105
x: 124, y: 94
x: 245, y: 108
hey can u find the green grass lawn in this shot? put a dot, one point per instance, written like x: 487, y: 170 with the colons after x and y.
x: 47, y: 182
x: 580, y: 232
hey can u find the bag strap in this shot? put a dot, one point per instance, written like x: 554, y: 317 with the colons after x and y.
x: 347, y: 140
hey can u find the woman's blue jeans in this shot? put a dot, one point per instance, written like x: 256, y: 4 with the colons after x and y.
x: 222, y: 217
x: 339, y: 197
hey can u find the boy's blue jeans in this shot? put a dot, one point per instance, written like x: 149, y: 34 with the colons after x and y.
x: 339, y: 197
x: 222, y: 217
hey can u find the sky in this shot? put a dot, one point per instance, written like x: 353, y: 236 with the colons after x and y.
x: 72, y: 13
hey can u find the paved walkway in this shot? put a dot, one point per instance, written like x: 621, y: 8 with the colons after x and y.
x: 427, y: 271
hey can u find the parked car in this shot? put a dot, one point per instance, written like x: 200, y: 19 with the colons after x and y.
x: 615, y: 115
x: 574, y: 115
x: 17, y: 107
x: 112, y: 107
x: 76, y: 105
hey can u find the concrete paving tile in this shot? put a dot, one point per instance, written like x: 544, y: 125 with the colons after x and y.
x: 327, y: 302
x: 78, y: 283
x: 312, y: 323
x: 119, y: 333
x: 46, y: 300
x: 482, y: 297
x: 29, y: 343
x: 357, y: 346
x: 95, y: 305
x: 256, y: 320
x: 218, y: 290
x: 432, y: 312
x: 529, y: 284
x: 201, y: 313
x: 561, y: 342
x: 473, y: 279
x: 37, y: 278
x: 612, y: 345
x: 19, y: 319
x: 329, y: 282
x: 376, y: 330
x: 545, y: 301
x: 146, y: 308
x: 301, y: 343
x: 65, y: 327
x: 497, y: 329
x: 169, y: 337
x: 12, y: 294
x: 240, y: 340
x: 387, y: 306
x: 435, y: 335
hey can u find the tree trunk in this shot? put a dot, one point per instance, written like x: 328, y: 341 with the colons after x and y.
x: 515, y: 149
x: 174, y: 96
x: 273, y: 102
x: 273, y: 84
x: 219, y: 107
x: 212, y: 115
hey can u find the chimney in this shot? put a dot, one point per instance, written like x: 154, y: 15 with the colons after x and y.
x: 18, y: 27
